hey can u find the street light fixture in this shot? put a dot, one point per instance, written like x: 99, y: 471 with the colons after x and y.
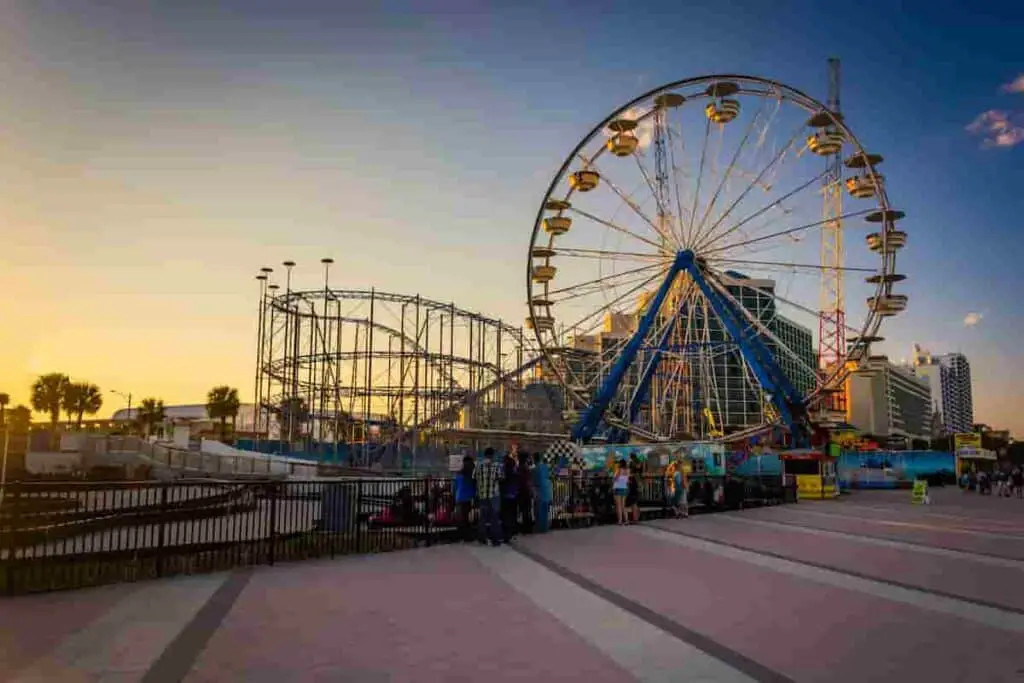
x: 127, y: 396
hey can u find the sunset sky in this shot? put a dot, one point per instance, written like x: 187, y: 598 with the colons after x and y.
x: 154, y: 159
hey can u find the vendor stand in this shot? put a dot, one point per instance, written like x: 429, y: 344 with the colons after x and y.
x: 814, y: 471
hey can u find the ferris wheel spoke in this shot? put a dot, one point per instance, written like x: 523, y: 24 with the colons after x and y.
x: 595, y: 284
x: 757, y: 179
x: 803, y: 308
x: 619, y: 299
x: 602, y: 254
x: 783, y: 265
x: 662, y: 210
x: 728, y: 172
x: 700, y: 175
x: 668, y: 239
x: 618, y: 228
x: 763, y: 329
x: 790, y: 231
x: 676, y: 172
x: 711, y: 239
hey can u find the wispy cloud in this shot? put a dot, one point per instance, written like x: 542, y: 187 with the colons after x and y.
x: 1014, y: 86
x: 644, y: 130
x: 972, y: 319
x: 998, y: 128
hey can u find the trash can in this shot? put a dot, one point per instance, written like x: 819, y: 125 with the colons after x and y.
x: 337, y: 503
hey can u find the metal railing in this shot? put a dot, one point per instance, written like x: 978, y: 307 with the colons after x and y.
x: 57, y: 535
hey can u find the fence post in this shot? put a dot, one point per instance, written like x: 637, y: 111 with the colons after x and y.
x: 161, y: 531
x: 430, y: 508
x: 358, y: 513
x: 273, y: 522
x: 14, y: 503
x: 664, y: 495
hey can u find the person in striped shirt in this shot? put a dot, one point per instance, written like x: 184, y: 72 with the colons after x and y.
x: 488, y: 476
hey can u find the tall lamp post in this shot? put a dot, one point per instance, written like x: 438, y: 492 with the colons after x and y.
x: 263, y: 278
x: 127, y: 396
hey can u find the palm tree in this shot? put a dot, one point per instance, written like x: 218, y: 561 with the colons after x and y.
x: 150, y: 413
x: 221, y: 403
x: 5, y: 400
x: 81, y: 398
x: 69, y: 400
x: 48, y: 397
x: 21, y: 419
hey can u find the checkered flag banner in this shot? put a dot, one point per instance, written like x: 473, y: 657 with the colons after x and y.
x: 564, y: 450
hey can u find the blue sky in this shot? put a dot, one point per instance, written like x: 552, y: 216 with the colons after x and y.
x: 157, y: 157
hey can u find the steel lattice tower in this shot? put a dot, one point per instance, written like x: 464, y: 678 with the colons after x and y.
x: 832, y: 316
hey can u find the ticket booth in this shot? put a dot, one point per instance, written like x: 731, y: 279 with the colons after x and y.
x: 975, y: 460
x: 814, y: 471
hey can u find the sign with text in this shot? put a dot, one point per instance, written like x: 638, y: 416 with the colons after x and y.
x: 971, y: 441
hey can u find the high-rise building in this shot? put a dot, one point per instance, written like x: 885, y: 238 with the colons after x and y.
x: 889, y: 400
x: 949, y: 377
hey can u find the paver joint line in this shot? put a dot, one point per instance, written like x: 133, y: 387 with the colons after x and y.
x: 736, y: 660
x: 882, y: 541
x: 1005, y: 609
x: 177, y: 660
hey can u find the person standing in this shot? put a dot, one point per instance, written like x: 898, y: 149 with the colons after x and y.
x: 510, y: 494
x: 465, y: 492
x: 680, y: 486
x: 526, y: 493
x: 636, y: 471
x: 544, y: 494
x: 487, y: 478
x: 620, y: 487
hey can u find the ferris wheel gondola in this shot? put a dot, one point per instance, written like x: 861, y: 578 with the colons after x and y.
x: 673, y: 251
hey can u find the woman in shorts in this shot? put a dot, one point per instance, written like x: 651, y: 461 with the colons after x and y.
x: 681, y: 484
x: 620, y: 487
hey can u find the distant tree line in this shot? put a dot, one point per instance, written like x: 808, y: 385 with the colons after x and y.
x: 55, y: 393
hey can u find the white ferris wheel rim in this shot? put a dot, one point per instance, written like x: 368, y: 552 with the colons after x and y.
x: 748, y: 86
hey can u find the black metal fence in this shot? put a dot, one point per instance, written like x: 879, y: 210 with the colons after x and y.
x: 57, y: 535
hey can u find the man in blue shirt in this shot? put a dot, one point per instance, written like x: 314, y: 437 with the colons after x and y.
x: 542, y: 485
x: 488, y: 478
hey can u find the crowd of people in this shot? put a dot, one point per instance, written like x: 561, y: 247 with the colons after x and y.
x: 513, y: 495
x: 1001, y: 483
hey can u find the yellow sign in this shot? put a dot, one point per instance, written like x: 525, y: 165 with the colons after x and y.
x: 815, y: 487
x: 966, y: 441
x: 920, y: 492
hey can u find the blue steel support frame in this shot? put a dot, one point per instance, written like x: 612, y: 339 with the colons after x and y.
x: 786, y: 398
x: 784, y: 395
x: 648, y: 374
x: 590, y: 418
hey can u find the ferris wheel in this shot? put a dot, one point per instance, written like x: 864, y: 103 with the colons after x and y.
x: 693, y: 272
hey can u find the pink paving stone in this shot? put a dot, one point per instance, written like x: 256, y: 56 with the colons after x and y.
x: 961, y: 577
x: 927, y: 533
x: 421, y: 615
x: 808, y: 631
x: 955, y: 511
x: 945, y: 500
x: 32, y: 625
